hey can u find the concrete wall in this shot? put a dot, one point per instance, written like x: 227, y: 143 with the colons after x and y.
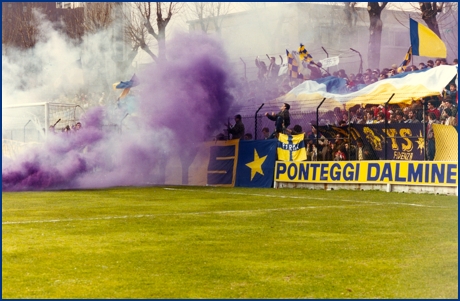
x: 381, y: 187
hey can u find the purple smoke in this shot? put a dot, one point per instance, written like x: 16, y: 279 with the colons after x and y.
x: 188, y: 94
x: 181, y: 103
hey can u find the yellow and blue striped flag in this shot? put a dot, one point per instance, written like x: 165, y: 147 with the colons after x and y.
x: 425, y: 42
x: 291, y: 148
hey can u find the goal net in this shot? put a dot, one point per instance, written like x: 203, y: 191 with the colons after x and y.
x: 27, y: 124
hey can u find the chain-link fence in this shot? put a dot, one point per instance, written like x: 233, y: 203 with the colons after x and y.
x: 394, y: 140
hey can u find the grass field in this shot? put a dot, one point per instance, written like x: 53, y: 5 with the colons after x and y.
x: 203, y: 242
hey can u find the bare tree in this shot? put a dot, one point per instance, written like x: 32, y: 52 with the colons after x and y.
x: 72, y: 23
x: 162, y: 13
x: 98, y: 16
x: 23, y: 29
x: 429, y: 11
x: 256, y: 5
x: 351, y: 14
x: 208, y: 13
x: 199, y: 11
x: 107, y: 18
x: 9, y: 30
x: 217, y: 11
x: 375, y: 33
x: 137, y: 32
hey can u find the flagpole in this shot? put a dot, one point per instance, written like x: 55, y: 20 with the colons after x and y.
x: 327, y: 55
x: 228, y: 128
x: 255, y: 121
x: 244, y: 70
x: 317, y: 125
x: 386, y: 122
x: 361, y: 61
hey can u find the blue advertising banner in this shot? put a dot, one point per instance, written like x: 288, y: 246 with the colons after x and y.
x: 256, y: 162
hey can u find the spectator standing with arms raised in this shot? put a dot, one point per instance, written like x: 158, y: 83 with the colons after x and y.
x: 273, y: 68
x: 282, y: 119
x: 262, y: 67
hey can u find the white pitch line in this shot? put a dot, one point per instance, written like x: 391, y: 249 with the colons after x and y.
x: 171, y: 214
x: 226, y: 212
x: 309, y: 198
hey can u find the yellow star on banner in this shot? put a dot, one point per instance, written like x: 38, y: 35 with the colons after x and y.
x: 256, y: 165
x: 421, y: 142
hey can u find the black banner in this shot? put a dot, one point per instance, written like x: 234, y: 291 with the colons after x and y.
x: 403, y: 141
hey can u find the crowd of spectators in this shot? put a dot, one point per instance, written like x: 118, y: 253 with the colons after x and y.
x: 438, y: 109
x: 270, y: 85
x: 428, y: 110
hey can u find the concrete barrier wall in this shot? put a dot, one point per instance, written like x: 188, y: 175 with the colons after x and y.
x: 382, y: 187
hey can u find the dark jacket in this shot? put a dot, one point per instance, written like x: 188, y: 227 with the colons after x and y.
x: 368, y: 153
x: 237, y: 130
x: 282, y: 116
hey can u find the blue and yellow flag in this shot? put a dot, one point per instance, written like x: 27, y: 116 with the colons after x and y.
x: 425, y: 42
x: 126, y: 86
x: 407, y: 59
x: 304, y: 55
x: 256, y: 163
x: 291, y: 148
x: 293, y: 66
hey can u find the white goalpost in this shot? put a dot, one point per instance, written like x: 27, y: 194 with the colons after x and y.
x: 28, y: 124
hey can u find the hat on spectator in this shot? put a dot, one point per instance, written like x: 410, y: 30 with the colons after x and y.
x: 394, y: 66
